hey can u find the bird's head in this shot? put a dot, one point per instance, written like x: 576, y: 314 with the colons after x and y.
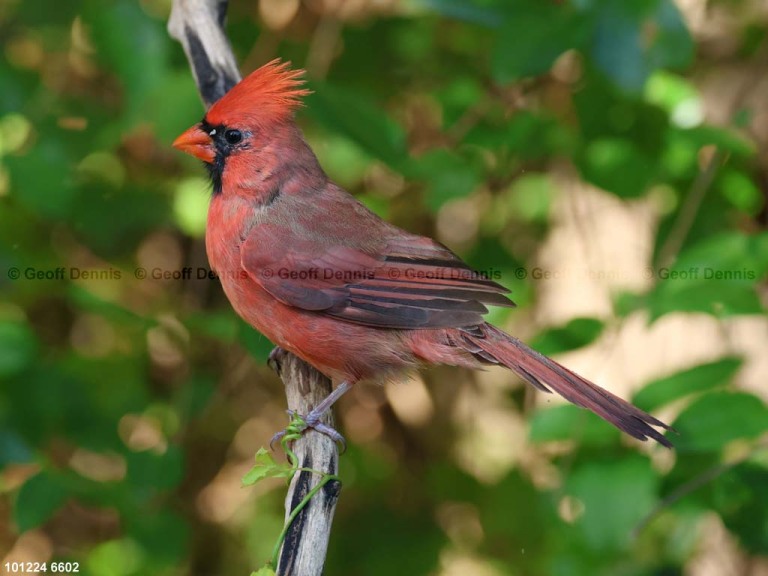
x: 246, y: 118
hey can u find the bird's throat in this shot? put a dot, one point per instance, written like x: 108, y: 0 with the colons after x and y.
x: 216, y: 172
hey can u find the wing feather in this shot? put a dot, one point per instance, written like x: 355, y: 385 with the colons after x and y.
x: 406, y: 285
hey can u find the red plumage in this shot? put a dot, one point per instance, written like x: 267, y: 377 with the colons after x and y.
x: 325, y: 278
x: 270, y: 94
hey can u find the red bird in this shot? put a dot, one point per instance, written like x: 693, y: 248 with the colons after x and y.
x: 325, y: 278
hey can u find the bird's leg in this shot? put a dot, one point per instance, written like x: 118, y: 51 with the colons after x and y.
x: 312, y: 419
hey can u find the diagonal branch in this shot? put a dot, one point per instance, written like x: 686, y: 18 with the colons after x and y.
x: 199, y: 26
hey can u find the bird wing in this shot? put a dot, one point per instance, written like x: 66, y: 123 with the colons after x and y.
x: 405, y: 282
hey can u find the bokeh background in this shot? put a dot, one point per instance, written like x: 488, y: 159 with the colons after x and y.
x: 608, y: 161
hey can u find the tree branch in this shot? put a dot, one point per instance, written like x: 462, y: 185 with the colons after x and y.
x: 199, y: 26
x: 306, y: 542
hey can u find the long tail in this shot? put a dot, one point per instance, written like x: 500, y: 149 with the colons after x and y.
x: 489, y: 344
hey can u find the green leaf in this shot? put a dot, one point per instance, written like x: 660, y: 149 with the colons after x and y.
x: 158, y: 471
x: 635, y: 37
x: 526, y: 136
x: 357, y: 117
x: 190, y: 206
x: 465, y: 10
x: 116, y: 558
x: 533, y: 37
x: 13, y: 448
x: 671, y: 45
x: 739, y: 496
x: 266, y: 467
x: 448, y: 177
x: 131, y: 45
x: 697, y: 379
x: 163, y: 535
x: 617, y: 47
x: 617, y: 165
x: 741, y: 191
x: 530, y: 197
x: 194, y: 395
x: 112, y: 311
x: 141, y: 210
x: 38, y: 499
x: 519, y: 543
x: 725, y: 139
x: 45, y: 167
x: 718, y: 418
x: 264, y: 571
x: 616, y: 495
x: 717, y: 276
x: 223, y: 325
x: 571, y: 423
x: 173, y: 104
x: 18, y: 347
x: 669, y: 91
x: 575, y: 334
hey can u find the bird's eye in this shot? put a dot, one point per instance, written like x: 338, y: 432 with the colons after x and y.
x: 233, y: 136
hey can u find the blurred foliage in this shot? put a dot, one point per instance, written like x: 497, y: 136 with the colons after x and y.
x: 131, y: 404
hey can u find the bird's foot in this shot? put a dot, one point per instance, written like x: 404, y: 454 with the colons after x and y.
x: 299, y: 424
x: 275, y: 359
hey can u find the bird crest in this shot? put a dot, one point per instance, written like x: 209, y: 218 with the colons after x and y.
x: 270, y: 93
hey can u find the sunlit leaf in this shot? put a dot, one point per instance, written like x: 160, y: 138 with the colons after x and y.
x: 617, y: 166
x: 266, y: 467
x: 718, y: 418
x: 190, y: 206
x: 616, y: 495
x: 575, y: 334
x: 697, y: 379
x: 116, y: 558
x: 18, y: 346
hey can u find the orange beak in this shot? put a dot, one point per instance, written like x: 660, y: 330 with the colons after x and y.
x: 197, y: 143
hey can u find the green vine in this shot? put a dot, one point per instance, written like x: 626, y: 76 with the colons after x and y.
x: 267, y: 467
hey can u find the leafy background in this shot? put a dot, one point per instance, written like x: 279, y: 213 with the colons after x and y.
x: 609, y: 160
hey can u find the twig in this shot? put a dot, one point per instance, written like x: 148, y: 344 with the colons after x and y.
x: 707, y: 476
x: 199, y: 26
x: 690, y: 209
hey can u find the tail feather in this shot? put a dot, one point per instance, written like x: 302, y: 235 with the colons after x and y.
x: 547, y: 375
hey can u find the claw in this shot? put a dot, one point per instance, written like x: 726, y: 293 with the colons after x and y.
x: 275, y: 359
x: 332, y: 433
x: 299, y: 424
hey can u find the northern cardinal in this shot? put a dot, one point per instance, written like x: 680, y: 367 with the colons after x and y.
x: 325, y: 278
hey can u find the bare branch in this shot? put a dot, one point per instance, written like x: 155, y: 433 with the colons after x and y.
x: 306, y: 542
x: 199, y: 26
